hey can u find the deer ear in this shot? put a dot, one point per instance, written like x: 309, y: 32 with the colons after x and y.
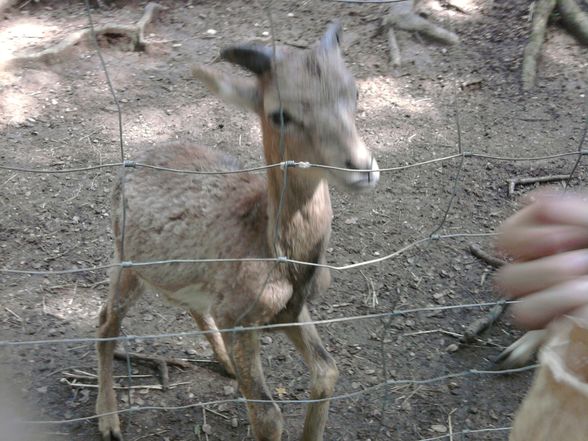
x: 243, y: 92
x: 257, y: 59
x: 333, y: 36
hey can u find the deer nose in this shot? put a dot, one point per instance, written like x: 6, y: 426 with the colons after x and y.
x: 370, y: 172
x: 374, y: 174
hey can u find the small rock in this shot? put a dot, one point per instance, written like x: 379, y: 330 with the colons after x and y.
x: 351, y: 221
x: 234, y: 422
x: 452, y: 348
x: 191, y: 352
x: 228, y: 390
x: 266, y: 340
x: 355, y: 385
x: 439, y: 428
x: 211, y: 32
x: 207, y: 428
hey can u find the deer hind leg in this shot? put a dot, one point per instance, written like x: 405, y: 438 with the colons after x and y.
x: 324, y: 375
x: 244, y: 350
x: 125, y: 288
x: 207, y: 324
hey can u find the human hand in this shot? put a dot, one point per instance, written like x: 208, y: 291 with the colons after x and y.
x: 549, y: 275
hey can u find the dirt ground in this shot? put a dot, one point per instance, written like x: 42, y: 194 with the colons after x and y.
x: 62, y: 116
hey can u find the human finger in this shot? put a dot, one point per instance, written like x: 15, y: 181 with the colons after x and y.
x: 518, y: 279
x: 532, y: 242
x: 536, y: 310
x: 552, y: 209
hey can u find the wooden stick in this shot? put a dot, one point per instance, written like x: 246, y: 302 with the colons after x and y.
x: 432, y: 331
x: 137, y: 386
x: 489, y: 259
x: 478, y: 326
x: 512, y: 183
x: 160, y: 363
x: 121, y: 355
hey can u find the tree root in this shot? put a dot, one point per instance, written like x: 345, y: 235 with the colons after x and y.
x: 395, y: 58
x: 135, y: 34
x: 573, y: 18
x: 402, y: 16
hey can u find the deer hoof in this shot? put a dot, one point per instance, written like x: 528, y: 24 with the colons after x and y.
x: 110, y: 429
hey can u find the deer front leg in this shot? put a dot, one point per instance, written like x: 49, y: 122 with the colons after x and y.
x: 324, y: 375
x: 244, y: 350
x: 124, y: 289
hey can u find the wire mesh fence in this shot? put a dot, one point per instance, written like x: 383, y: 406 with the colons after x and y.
x: 463, y: 157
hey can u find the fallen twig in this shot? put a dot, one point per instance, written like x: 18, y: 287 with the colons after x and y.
x: 480, y: 325
x: 160, y: 363
x: 78, y: 376
x: 483, y: 255
x: 450, y: 425
x: 432, y: 331
x: 205, y: 426
x: 159, y: 432
x: 372, y: 296
x: 137, y: 386
x: 18, y: 317
x: 512, y: 183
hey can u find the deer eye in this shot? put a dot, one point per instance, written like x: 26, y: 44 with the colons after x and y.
x: 280, y: 117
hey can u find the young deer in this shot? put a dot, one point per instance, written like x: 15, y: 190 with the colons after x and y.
x: 306, y: 102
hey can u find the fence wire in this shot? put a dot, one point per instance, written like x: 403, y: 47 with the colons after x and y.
x: 345, y: 396
x: 285, y: 164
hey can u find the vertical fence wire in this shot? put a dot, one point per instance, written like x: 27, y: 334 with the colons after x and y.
x: 118, y: 307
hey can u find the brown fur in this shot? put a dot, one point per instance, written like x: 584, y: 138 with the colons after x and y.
x: 181, y: 216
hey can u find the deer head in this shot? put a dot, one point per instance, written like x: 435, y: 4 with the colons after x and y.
x: 306, y: 101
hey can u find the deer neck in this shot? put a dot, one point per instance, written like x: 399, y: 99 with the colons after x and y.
x: 299, y: 214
